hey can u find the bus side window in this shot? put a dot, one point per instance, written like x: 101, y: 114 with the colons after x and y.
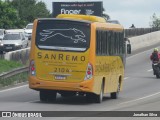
x: 103, y: 42
x: 112, y: 43
x: 124, y: 43
x: 97, y: 46
x: 98, y: 42
x: 121, y: 43
x: 100, y: 33
x: 115, y: 43
x: 106, y: 45
x: 117, y: 35
x: 109, y: 42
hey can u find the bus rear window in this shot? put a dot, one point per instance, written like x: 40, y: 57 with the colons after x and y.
x: 63, y: 35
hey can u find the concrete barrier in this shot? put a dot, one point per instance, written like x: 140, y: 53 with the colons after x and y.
x: 145, y: 40
x: 18, y: 55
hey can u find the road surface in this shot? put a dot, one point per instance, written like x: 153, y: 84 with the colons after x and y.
x: 141, y: 92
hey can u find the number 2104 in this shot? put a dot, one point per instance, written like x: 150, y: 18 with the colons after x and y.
x: 61, y: 70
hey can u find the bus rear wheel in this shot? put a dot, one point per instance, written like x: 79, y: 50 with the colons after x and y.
x: 43, y: 96
x: 114, y: 95
x: 99, y: 98
x: 51, y: 95
x: 48, y: 95
x: 91, y: 97
x: 157, y: 76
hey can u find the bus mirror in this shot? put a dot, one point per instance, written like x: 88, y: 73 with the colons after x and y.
x: 127, y: 40
x: 128, y: 48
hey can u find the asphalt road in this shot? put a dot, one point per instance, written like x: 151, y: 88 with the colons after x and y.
x: 141, y: 92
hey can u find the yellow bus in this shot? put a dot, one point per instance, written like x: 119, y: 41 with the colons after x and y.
x: 77, y: 55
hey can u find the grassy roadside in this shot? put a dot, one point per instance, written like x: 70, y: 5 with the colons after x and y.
x: 19, y: 78
x: 6, y: 66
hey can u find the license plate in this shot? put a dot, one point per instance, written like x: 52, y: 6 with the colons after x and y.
x: 8, y: 47
x: 60, y: 77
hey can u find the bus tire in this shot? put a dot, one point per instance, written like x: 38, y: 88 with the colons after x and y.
x: 46, y: 95
x: 157, y: 76
x: 89, y: 97
x: 51, y: 96
x: 43, y: 96
x: 99, y: 98
x: 114, y: 95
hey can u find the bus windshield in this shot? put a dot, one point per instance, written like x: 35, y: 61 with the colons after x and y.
x: 63, y: 35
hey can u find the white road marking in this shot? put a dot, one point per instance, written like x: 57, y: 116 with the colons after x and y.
x: 150, y: 70
x: 126, y: 78
x: 32, y: 101
x: 140, y: 98
x: 12, y: 88
x: 138, y: 54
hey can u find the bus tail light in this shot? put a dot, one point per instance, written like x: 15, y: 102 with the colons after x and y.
x: 89, y: 72
x: 32, y: 68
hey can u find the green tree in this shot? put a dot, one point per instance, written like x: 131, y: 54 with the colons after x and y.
x: 104, y: 14
x: 41, y: 10
x: 28, y: 10
x: 155, y: 21
x: 8, y: 16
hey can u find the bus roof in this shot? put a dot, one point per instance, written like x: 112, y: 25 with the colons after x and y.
x: 99, y: 22
x: 109, y: 26
x: 82, y: 17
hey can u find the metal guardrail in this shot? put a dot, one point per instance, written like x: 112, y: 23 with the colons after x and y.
x: 13, y: 72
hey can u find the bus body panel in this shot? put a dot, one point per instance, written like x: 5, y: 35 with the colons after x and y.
x: 109, y: 68
x: 32, y: 49
x: 37, y: 84
x: 61, y: 66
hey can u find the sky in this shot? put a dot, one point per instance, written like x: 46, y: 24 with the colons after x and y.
x: 127, y: 12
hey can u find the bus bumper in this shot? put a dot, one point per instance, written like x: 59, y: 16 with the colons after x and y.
x: 85, y: 86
